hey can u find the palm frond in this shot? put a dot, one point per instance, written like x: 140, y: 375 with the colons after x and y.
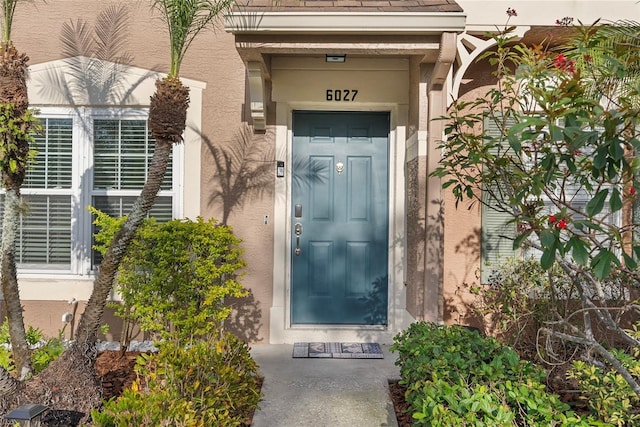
x: 185, y: 19
x: 8, y: 10
x: 111, y: 34
x: 609, y: 55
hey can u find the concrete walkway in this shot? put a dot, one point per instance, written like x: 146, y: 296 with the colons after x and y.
x: 323, y: 392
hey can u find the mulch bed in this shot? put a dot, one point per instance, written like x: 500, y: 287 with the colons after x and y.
x: 116, y: 371
x: 396, y: 391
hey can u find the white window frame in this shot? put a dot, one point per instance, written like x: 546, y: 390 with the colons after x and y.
x: 82, y: 191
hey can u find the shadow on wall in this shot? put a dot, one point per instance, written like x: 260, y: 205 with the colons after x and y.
x: 434, y: 265
x: 95, y: 56
x: 376, y: 302
x: 245, y: 319
x: 459, y: 306
x: 115, y: 331
x: 245, y: 170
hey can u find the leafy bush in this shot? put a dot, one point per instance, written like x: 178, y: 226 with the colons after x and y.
x: 606, y: 392
x: 205, y: 384
x: 44, y: 351
x: 456, y: 377
x: 176, y: 275
x: 521, y: 297
x: 518, y: 298
x: 42, y: 356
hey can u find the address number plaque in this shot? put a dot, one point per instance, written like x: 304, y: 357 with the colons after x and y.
x: 341, y: 95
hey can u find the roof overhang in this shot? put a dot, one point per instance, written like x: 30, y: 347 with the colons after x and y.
x: 260, y: 35
x: 399, y: 23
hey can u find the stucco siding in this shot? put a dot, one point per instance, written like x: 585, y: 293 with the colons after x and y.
x: 213, y: 60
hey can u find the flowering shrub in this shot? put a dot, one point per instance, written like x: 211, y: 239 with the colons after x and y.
x: 568, y: 129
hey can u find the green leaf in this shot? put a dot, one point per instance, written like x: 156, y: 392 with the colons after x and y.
x: 595, y: 205
x: 548, y: 258
x: 517, y: 242
x: 556, y: 133
x: 629, y: 261
x: 615, y: 201
x: 547, y: 239
x: 600, y: 159
x: 615, y: 149
x: 579, y: 253
x: 601, y: 263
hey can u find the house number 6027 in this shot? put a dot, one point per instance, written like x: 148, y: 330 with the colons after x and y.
x: 345, y: 95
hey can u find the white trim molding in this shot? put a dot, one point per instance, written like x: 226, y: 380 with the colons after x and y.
x: 255, y: 76
x: 322, y: 22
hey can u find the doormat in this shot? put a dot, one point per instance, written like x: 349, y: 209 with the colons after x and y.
x: 337, y: 350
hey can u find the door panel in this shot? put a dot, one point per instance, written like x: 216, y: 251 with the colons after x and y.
x: 340, y: 256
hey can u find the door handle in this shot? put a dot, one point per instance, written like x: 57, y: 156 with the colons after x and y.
x: 298, y: 230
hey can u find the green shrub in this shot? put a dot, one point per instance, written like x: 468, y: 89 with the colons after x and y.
x: 176, y: 276
x: 42, y: 356
x: 456, y: 377
x: 205, y: 384
x: 44, y: 350
x: 606, y: 392
x: 519, y: 297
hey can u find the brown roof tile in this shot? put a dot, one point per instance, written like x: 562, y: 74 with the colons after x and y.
x: 350, y: 5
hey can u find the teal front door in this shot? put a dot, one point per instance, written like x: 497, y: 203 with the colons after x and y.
x: 340, y: 218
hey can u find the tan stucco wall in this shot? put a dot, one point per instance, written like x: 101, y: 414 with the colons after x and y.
x: 462, y: 229
x: 213, y: 60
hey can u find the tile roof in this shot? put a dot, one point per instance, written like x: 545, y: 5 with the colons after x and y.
x: 349, y: 5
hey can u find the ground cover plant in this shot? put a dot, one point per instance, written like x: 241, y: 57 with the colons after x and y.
x: 454, y: 376
x: 42, y: 350
x: 206, y: 384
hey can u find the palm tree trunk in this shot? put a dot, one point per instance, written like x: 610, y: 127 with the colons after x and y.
x: 90, y: 321
x: 8, y: 384
x: 167, y: 121
x: 79, y: 359
x: 10, y: 290
x: 15, y: 148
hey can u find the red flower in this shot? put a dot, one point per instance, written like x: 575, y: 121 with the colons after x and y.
x: 563, y: 64
x: 632, y: 191
x: 562, y: 224
x: 552, y: 219
x: 511, y: 12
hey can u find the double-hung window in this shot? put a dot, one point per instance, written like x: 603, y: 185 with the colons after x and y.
x: 96, y: 157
